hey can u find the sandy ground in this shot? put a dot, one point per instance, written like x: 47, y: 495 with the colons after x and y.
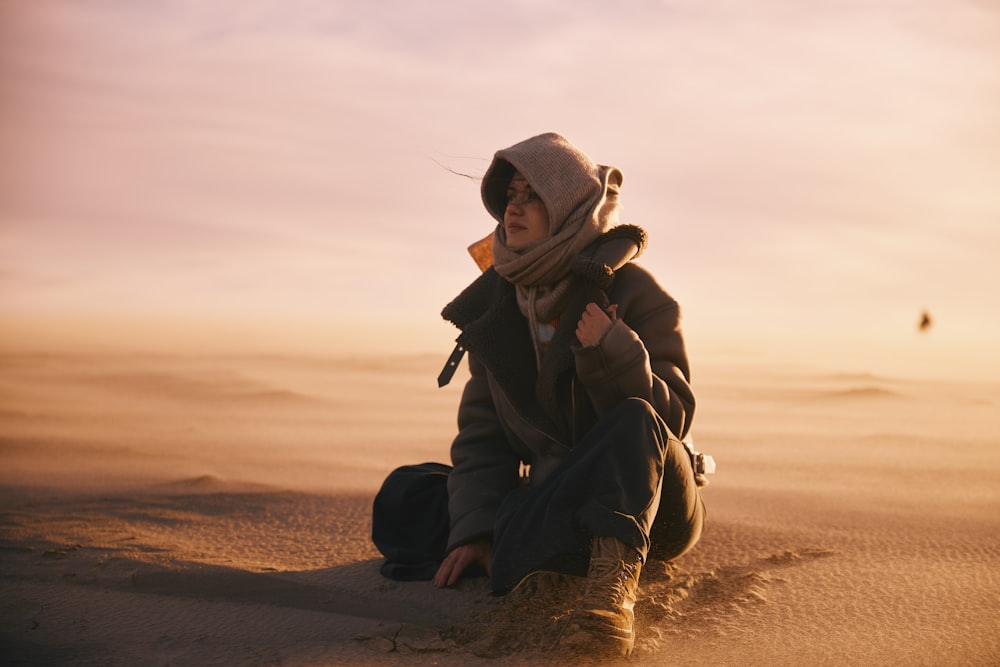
x: 200, y: 511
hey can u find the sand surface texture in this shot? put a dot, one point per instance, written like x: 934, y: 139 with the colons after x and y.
x: 196, y: 511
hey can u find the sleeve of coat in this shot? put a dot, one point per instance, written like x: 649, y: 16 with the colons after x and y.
x: 485, y: 466
x: 642, y: 355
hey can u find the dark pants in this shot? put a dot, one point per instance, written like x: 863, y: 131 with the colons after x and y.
x: 628, y: 478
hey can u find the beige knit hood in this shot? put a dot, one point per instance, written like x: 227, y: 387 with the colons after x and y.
x: 581, y: 198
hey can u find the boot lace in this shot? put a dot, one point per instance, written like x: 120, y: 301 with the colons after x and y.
x: 609, y: 583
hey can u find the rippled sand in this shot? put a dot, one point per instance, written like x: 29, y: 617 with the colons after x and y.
x: 178, y: 510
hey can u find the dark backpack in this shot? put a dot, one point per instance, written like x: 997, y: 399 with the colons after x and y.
x: 410, y: 521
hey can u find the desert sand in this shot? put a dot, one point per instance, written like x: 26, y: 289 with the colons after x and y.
x: 185, y: 510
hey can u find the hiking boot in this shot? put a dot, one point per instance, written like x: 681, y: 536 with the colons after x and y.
x: 605, y: 618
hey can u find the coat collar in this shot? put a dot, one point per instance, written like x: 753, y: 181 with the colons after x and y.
x: 596, y: 266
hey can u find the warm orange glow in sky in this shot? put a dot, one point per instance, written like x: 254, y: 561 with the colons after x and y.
x: 268, y: 175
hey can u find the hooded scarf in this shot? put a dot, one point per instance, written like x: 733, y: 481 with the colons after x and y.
x: 581, y: 198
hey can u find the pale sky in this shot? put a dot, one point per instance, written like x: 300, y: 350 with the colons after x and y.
x: 273, y: 175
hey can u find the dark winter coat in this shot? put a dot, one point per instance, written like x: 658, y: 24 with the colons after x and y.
x: 513, y: 413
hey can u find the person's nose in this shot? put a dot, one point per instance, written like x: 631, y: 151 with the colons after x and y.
x: 516, y: 203
x: 515, y: 207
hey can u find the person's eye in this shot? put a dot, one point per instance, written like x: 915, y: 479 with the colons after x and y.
x: 522, y: 196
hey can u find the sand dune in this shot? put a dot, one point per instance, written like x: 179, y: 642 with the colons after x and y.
x: 861, y: 392
x: 152, y: 513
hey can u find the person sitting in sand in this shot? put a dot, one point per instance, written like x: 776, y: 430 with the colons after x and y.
x: 568, y: 456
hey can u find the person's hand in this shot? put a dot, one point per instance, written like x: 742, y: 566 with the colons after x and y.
x: 459, y: 559
x: 594, y: 323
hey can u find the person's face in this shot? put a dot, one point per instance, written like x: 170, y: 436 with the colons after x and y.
x: 525, y: 219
